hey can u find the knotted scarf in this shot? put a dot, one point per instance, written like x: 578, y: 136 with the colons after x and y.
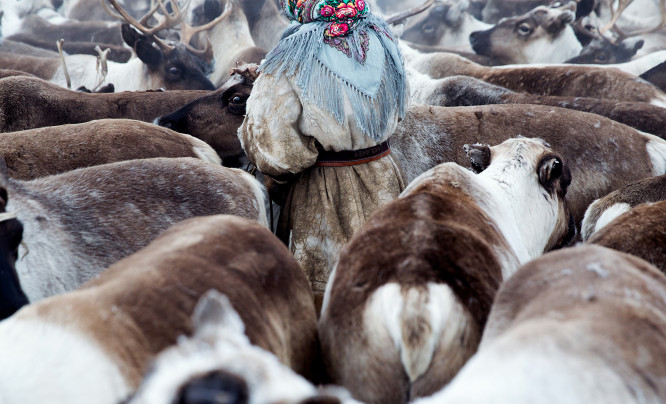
x: 334, y: 46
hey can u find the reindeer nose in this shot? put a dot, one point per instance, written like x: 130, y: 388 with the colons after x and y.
x: 479, y: 41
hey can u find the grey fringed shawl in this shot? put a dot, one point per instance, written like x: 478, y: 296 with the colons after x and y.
x: 372, y: 75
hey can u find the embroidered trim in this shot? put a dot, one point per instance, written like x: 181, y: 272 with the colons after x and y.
x: 342, y: 44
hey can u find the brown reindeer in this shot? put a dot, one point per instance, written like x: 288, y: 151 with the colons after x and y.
x: 579, y: 325
x: 53, y: 150
x: 406, y: 305
x: 605, y: 209
x: 79, y: 222
x: 557, y: 80
x: 458, y: 91
x: 588, y: 142
x: 641, y: 231
x: 102, y: 337
x: 27, y: 103
x: 542, y: 35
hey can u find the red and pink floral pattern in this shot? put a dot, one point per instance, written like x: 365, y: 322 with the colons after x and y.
x: 343, y: 15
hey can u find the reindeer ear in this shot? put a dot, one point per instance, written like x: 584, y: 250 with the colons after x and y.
x: 213, y: 315
x: 148, y: 53
x: 130, y: 35
x: 4, y: 181
x: 554, y: 175
x: 479, y: 156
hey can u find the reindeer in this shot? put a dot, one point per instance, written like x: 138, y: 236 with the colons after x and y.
x: 543, y: 35
x: 578, y: 325
x: 557, y: 80
x: 406, y: 305
x: 30, y: 102
x: 214, y: 362
x: 53, y: 150
x: 103, y: 336
x: 604, y: 210
x: 458, y: 91
x: 233, y: 41
x: 625, y: 22
x: 74, y: 225
x: 177, y: 66
x: 446, y: 24
x: 640, y: 231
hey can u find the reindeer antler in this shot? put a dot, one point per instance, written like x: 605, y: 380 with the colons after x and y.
x: 396, y: 18
x: 615, y: 15
x: 169, y: 20
x: 188, y: 32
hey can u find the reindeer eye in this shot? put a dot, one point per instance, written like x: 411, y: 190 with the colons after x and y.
x: 428, y: 28
x: 601, y: 57
x: 237, y: 100
x: 524, y: 29
x: 174, y: 71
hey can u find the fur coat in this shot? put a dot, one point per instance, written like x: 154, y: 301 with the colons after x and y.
x: 283, y: 134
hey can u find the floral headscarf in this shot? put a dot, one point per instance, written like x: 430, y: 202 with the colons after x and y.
x: 342, y: 16
x: 338, y: 47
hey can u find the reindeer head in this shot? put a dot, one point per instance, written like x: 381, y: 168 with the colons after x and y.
x: 429, y: 27
x: 216, y: 117
x: 543, y: 35
x: 533, y: 181
x: 172, y: 66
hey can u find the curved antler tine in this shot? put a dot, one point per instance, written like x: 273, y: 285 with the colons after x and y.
x: 205, y: 53
x: 188, y: 31
x: 153, y: 8
x: 125, y: 16
x: 399, y: 17
x: 615, y: 14
x: 111, y: 12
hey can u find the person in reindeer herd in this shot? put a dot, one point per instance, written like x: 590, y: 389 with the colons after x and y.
x: 328, y: 97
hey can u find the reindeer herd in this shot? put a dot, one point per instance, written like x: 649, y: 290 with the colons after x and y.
x: 524, y: 262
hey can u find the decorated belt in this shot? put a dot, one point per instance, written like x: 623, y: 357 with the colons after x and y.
x: 352, y: 157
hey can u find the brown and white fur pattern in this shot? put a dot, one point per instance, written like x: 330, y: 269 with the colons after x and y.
x: 580, y: 325
x: 219, y: 361
x: 31, y: 102
x: 80, y: 222
x: 543, y: 79
x: 543, y: 35
x: 641, y: 231
x: 602, y: 155
x: 53, y: 150
x: 406, y: 305
x: 604, y: 210
x: 96, y: 343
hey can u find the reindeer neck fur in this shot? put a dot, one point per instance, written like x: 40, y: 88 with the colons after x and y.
x: 130, y: 76
x: 457, y: 37
x: 553, y: 50
x: 229, y: 39
x: 525, y: 208
x: 440, y: 64
x: 32, y: 349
